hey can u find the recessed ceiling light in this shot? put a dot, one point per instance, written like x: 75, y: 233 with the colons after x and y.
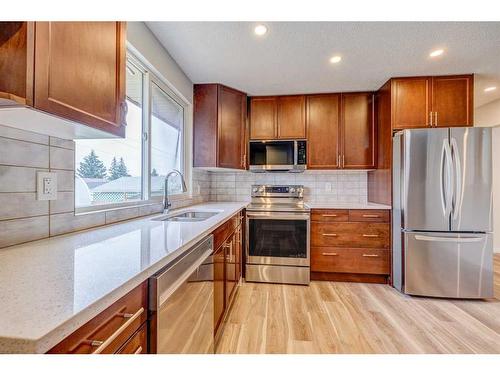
x: 335, y: 59
x: 491, y: 88
x: 436, y: 53
x: 260, y: 30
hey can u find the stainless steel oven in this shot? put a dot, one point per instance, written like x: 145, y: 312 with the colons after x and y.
x: 277, y: 235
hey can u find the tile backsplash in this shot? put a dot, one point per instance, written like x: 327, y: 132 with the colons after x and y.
x: 319, y: 186
x: 23, y: 218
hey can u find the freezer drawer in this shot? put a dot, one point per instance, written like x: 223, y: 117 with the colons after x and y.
x: 456, y: 265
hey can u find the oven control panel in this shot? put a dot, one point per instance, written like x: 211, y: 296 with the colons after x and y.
x: 277, y: 191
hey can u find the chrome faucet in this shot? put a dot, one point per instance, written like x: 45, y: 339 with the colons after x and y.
x: 166, y: 202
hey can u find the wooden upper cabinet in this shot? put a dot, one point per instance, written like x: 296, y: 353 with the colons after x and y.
x: 75, y: 70
x: 452, y: 100
x: 292, y: 117
x: 358, y: 131
x: 263, y: 118
x: 80, y: 72
x: 411, y: 102
x: 232, y: 118
x: 443, y: 101
x: 219, y: 127
x: 323, y: 129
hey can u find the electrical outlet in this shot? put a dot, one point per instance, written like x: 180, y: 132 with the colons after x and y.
x: 46, y: 186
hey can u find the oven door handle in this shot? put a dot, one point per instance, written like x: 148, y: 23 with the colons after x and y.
x: 277, y: 216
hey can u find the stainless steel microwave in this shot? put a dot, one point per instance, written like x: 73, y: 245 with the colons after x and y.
x: 276, y: 156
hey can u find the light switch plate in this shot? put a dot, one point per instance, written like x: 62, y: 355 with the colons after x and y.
x: 46, y: 186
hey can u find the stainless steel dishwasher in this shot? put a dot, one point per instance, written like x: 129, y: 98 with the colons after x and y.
x: 182, y: 303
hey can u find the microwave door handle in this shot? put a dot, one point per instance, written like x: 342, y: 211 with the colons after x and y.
x: 295, y: 153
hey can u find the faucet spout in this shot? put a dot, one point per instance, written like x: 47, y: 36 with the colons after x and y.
x: 166, y: 202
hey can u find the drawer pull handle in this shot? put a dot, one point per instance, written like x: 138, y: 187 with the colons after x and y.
x: 101, y: 345
x: 370, y: 215
x: 329, y: 215
x: 139, y: 350
x: 371, y: 235
x: 371, y: 255
x: 329, y: 254
x: 330, y: 234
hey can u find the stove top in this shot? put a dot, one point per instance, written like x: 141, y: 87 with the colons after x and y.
x: 278, y: 198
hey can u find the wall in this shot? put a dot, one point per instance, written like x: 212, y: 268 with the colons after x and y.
x: 489, y: 115
x: 23, y: 218
x: 337, y: 186
x: 144, y: 42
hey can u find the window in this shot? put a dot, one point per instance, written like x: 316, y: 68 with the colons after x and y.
x: 112, y: 171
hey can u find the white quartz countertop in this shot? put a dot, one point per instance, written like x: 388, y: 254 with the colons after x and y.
x: 348, y: 206
x: 51, y: 287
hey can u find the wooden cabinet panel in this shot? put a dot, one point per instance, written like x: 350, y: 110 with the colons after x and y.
x: 219, y: 127
x: 232, y: 114
x: 109, y: 330
x: 263, y: 118
x: 381, y: 216
x: 219, y: 296
x: 329, y: 215
x: 137, y: 344
x: 452, y: 98
x: 80, y: 72
x: 291, y: 117
x: 350, y: 260
x: 411, y: 102
x: 323, y: 129
x: 358, y: 131
x: 371, y: 235
x: 230, y: 265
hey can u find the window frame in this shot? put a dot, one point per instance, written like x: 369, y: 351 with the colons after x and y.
x: 152, y: 76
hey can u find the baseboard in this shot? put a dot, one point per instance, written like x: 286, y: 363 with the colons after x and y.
x: 349, y: 277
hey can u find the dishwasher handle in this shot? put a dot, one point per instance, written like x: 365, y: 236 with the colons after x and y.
x: 166, y: 282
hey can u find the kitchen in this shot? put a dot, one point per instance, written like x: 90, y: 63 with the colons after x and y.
x: 173, y: 205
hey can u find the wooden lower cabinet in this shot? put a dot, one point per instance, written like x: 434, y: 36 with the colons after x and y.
x: 227, y: 267
x: 112, y: 329
x: 350, y: 245
x: 138, y: 343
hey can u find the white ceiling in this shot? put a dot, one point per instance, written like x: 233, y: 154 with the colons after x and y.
x: 293, y: 57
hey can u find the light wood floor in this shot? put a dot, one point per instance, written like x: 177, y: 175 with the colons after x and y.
x: 329, y: 317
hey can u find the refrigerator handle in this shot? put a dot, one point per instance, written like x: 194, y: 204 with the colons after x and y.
x: 445, y: 172
x: 457, y: 189
x: 421, y: 237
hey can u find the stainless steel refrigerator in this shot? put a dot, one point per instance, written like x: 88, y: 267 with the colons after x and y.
x: 442, y: 212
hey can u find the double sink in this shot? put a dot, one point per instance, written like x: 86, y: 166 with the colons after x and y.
x: 188, y: 216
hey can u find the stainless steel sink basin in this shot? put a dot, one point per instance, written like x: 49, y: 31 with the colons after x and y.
x: 188, y: 216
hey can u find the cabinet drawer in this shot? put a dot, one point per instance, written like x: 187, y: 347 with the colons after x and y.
x: 381, y: 216
x: 109, y: 330
x: 137, y: 344
x: 330, y: 215
x: 372, y: 235
x: 224, y: 231
x: 349, y: 260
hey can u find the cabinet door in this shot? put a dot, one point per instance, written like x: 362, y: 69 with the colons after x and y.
x: 230, y: 277
x: 411, y: 102
x: 452, y: 98
x: 263, y: 118
x: 292, y: 117
x: 80, y: 72
x: 238, y: 254
x: 232, y: 113
x: 358, y: 131
x: 323, y: 130
x: 218, y: 258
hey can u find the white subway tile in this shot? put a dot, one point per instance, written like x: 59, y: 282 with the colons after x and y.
x: 17, y: 231
x: 18, y: 179
x: 121, y: 214
x: 65, y: 202
x: 62, y: 158
x: 23, y: 135
x: 21, y: 205
x: 66, y: 223
x: 64, y: 143
x: 23, y: 154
